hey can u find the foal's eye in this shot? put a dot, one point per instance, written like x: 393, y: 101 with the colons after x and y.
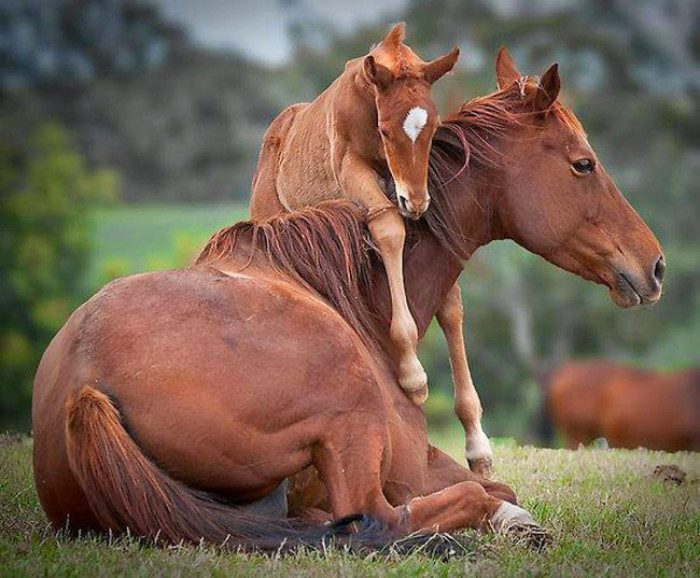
x: 583, y: 166
x: 384, y: 133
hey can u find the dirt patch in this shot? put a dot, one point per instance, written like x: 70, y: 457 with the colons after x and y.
x: 669, y: 473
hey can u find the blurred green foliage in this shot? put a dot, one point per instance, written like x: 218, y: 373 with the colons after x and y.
x: 132, y: 239
x: 46, y: 194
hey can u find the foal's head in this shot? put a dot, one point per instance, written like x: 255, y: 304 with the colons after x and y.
x: 407, y: 117
x: 562, y: 204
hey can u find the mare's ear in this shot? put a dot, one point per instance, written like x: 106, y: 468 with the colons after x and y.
x: 396, y: 35
x: 506, y: 71
x: 377, y: 74
x: 441, y: 66
x: 548, y: 89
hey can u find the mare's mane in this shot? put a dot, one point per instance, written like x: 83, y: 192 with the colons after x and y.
x: 328, y: 249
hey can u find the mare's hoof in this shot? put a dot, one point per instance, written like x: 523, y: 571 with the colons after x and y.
x: 482, y: 466
x: 516, y: 523
x: 529, y: 535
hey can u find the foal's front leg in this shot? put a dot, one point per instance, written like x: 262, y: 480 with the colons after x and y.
x: 450, y: 316
x: 388, y: 232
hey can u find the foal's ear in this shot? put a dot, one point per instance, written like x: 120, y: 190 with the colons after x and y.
x: 395, y: 36
x: 441, y: 66
x: 506, y: 71
x: 548, y: 89
x: 377, y: 74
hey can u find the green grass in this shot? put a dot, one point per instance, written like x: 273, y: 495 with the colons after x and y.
x: 131, y: 239
x: 607, y: 516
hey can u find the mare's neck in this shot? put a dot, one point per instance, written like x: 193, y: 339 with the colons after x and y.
x: 431, y: 269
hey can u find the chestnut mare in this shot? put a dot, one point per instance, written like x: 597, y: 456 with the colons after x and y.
x: 565, y: 177
x: 170, y: 396
x: 629, y: 407
x: 377, y: 117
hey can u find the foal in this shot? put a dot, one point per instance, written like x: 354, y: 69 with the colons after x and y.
x: 375, y: 122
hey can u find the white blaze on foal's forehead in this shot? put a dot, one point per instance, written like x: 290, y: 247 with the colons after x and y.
x: 414, y: 122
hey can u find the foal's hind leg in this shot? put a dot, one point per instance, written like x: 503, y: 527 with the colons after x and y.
x: 264, y: 200
x: 450, y: 316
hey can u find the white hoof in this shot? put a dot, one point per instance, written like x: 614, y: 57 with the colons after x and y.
x: 516, y: 522
x: 508, y: 514
x: 479, y: 453
x: 413, y: 380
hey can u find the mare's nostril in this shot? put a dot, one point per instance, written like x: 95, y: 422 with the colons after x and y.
x: 660, y: 270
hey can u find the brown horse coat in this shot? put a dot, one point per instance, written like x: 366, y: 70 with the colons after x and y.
x: 373, y: 123
x: 230, y: 377
x: 270, y: 355
x: 629, y: 407
x: 520, y: 139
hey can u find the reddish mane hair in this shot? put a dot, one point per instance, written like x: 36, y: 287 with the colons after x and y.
x: 326, y: 249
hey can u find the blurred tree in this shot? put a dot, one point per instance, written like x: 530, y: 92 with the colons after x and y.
x: 45, y: 196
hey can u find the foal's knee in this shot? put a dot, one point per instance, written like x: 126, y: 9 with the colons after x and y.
x: 404, y: 333
x: 388, y: 232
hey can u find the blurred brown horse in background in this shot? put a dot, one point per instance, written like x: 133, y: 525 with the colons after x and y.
x: 171, y: 397
x: 629, y: 407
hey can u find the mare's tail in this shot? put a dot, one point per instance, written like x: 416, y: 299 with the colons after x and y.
x: 126, y: 490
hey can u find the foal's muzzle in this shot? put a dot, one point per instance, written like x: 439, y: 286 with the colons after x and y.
x: 407, y: 207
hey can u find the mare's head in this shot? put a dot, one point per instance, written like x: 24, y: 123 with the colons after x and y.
x: 407, y: 117
x: 554, y: 196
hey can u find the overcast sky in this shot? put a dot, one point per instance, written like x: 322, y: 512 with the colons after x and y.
x: 259, y: 27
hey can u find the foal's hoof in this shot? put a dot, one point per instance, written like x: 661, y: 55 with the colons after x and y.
x: 478, y: 452
x: 482, y: 466
x: 414, y: 383
x: 418, y: 397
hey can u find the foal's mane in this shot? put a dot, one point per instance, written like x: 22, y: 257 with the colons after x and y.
x: 328, y: 250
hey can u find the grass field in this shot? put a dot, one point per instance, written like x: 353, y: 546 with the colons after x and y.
x: 135, y: 238
x: 607, y: 515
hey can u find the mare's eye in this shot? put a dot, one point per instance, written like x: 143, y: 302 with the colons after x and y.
x: 384, y: 133
x: 583, y: 166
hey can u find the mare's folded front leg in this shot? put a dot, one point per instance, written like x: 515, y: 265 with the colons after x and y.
x: 467, y: 404
x: 389, y: 234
